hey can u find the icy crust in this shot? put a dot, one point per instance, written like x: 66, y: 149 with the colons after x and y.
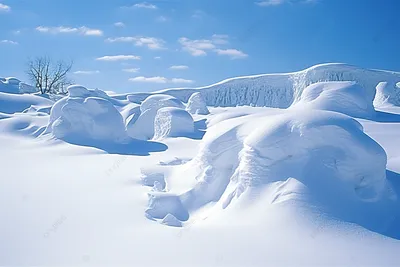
x: 172, y: 122
x: 197, y: 105
x: 142, y: 123
x: 343, y: 97
x: 281, y: 90
x: 83, y: 116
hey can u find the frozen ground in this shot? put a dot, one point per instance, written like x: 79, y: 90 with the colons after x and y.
x: 303, y: 186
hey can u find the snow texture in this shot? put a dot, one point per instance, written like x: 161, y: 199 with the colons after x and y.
x: 282, y: 90
x: 172, y: 122
x: 82, y: 116
x: 387, y: 95
x: 197, y: 105
x: 343, y: 97
x: 142, y: 127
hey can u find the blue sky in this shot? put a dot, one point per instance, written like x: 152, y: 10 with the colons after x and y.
x: 131, y: 46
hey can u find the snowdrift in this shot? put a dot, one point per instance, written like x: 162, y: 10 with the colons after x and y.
x: 172, y: 122
x: 197, y: 105
x: 12, y: 85
x: 142, y: 123
x: 325, y: 152
x: 84, y: 114
x: 282, y: 90
x: 387, y: 95
x: 343, y: 97
x: 13, y: 103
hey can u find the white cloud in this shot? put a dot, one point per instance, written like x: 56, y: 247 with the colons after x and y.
x: 159, y: 79
x: 150, y: 42
x: 232, y: 53
x: 8, y: 42
x: 162, y: 19
x: 132, y: 70
x: 145, y: 5
x: 220, y: 39
x: 119, y: 24
x: 16, y: 32
x: 279, y: 2
x: 157, y: 58
x: 118, y: 58
x: 180, y: 80
x: 196, y: 47
x: 62, y: 29
x: 179, y: 67
x: 270, y: 2
x: 4, y: 8
x: 203, y: 46
x: 143, y: 79
x: 86, y: 72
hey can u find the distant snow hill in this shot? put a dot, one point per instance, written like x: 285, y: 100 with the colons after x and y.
x: 282, y: 90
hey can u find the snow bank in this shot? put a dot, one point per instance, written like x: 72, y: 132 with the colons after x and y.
x: 82, y: 116
x: 313, y: 146
x: 12, y: 103
x: 387, y: 95
x: 142, y: 127
x: 325, y: 151
x: 197, y: 105
x: 281, y: 90
x: 343, y: 97
x: 172, y: 122
x: 12, y: 85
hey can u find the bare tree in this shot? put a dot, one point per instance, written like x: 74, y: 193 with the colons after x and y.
x: 49, y: 76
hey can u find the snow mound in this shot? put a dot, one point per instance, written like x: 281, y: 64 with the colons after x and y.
x: 387, y: 95
x: 324, y: 153
x: 343, y: 97
x: 155, y: 102
x: 13, y: 85
x: 311, y: 146
x: 172, y: 122
x: 86, y: 118
x: 197, y: 105
x: 81, y: 91
x: 142, y: 126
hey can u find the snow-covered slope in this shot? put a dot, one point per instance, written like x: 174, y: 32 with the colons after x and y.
x: 281, y: 90
x: 313, y: 183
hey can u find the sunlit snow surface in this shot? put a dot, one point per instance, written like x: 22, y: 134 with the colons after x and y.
x: 97, y: 180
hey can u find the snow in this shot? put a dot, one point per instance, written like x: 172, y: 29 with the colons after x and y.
x: 387, y: 95
x: 315, y: 182
x: 344, y: 97
x: 142, y: 127
x: 80, y: 116
x: 197, y: 105
x: 282, y: 90
x: 12, y: 85
x: 172, y: 122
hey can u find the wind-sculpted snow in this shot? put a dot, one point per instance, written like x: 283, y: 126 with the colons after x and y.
x: 82, y: 115
x: 141, y: 124
x: 343, y: 97
x: 306, y: 152
x: 387, y: 95
x: 172, y: 122
x: 197, y: 105
x: 282, y: 90
x: 12, y: 85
